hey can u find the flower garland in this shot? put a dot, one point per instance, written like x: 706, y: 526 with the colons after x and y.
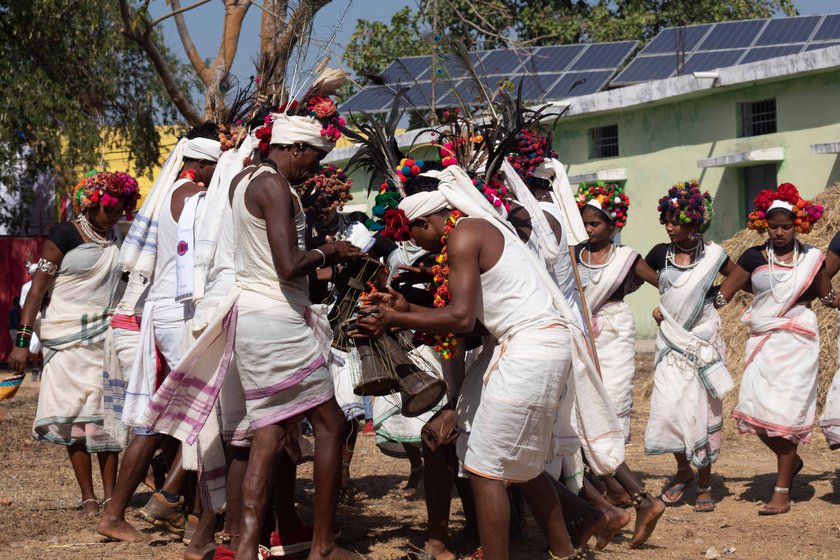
x: 333, y: 182
x: 689, y: 203
x: 610, y: 198
x: 106, y: 189
x: 263, y: 134
x: 323, y: 108
x: 806, y: 213
x: 445, y: 343
x: 190, y: 174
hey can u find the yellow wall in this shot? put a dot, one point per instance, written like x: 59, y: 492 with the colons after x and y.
x: 116, y: 158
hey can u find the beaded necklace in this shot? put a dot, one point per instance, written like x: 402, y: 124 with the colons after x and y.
x: 773, y: 261
x: 103, y: 239
x: 445, y: 343
x: 596, y: 271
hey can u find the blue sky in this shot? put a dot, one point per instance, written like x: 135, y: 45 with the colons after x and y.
x: 208, y: 18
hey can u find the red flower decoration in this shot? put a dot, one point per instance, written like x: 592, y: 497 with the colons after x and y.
x: 396, y: 225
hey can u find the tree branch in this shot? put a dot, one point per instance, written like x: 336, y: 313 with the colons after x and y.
x: 177, y: 10
x: 204, y: 73
x: 144, y: 40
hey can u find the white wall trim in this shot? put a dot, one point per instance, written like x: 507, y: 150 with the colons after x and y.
x: 744, y: 159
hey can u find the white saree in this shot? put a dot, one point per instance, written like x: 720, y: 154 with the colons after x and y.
x: 614, y: 329
x: 830, y: 420
x: 778, y: 395
x: 73, y: 330
x: 689, y: 378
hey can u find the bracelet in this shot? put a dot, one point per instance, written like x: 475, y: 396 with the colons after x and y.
x: 47, y: 266
x: 24, y: 329
x: 323, y: 257
x: 719, y: 301
x: 829, y: 298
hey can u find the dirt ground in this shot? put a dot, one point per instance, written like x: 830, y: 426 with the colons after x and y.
x: 38, y: 493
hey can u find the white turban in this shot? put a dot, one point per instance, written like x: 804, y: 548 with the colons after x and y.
x: 781, y: 204
x: 203, y: 148
x: 287, y: 130
x: 561, y: 190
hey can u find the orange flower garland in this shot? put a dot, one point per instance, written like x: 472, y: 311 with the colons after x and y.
x: 445, y: 343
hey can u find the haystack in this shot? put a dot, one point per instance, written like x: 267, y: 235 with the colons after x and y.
x: 736, y: 334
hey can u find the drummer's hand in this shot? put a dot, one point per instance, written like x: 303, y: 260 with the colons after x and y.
x: 341, y: 250
x: 18, y: 359
x: 391, y: 300
x: 371, y: 322
x: 420, y: 274
x: 440, y: 430
x: 657, y: 315
x: 324, y: 274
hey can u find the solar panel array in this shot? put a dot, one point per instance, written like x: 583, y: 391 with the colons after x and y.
x: 558, y: 72
x: 718, y: 45
x: 545, y: 73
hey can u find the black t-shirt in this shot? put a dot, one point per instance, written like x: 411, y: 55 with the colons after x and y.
x: 657, y: 256
x: 66, y: 237
x: 628, y: 286
x: 754, y: 257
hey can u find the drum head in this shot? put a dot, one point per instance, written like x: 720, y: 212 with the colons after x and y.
x: 423, y: 401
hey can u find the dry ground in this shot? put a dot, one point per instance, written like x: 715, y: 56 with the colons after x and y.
x: 37, y: 494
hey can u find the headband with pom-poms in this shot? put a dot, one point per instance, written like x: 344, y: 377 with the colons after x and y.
x: 106, y: 189
x: 531, y: 149
x: 805, y: 212
x: 690, y: 205
x: 396, y: 225
x: 609, y: 198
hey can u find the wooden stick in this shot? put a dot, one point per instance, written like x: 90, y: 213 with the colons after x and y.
x: 586, y: 315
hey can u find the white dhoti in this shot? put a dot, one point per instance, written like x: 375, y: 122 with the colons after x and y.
x: 615, y: 336
x: 343, y: 368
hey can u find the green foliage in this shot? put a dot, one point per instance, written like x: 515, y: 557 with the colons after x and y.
x: 73, y: 84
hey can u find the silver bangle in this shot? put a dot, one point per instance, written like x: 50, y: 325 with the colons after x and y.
x: 719, y: 300
x: 47, y: 266
x: 323, y: 257
x: 829, y: 298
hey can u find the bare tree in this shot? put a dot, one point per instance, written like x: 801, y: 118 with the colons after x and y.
x: 284, y: 24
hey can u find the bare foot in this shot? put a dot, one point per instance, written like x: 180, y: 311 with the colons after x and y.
x: 205, y: 553
x: 90, y: 508
x: 438, y: 551
x: 616, y: 519
x: 647, y: 515
x: 593, y: 522
x: 336, y: 553
x: 779, y: 503
x: 409, y: 491
x: 118, y: 528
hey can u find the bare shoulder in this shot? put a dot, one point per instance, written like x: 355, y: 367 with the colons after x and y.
x: 473, y: 232
x: 267, y: 193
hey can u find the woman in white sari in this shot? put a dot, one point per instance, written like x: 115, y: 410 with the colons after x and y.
x: 689, y: 379
x: 79, y: 269
x: 778, y: 394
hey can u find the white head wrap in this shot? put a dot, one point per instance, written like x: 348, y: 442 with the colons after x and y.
x: 781, y: 204
x: 287, y: 130
x: 203, y: 148
x: 595, y: 203
x: 554, y: 171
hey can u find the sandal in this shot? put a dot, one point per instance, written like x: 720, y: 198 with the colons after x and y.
x: 704, y: 506
x: 677, y: 490
x: 351, y: 495
x: 767, y: 510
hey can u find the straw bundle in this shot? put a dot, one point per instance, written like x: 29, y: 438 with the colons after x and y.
x: 736, y: 334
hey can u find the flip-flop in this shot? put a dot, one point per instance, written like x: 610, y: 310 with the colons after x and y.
x: 702, y: 503
x: 678, y: 489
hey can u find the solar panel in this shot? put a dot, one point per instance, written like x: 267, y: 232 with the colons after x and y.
x: 732, y: 35
x: 554, y: 59
x: 815, y: 46
x: 763, y: 53
x: 407, y: 70
x: 711, y: 46
x: 829, y: 29
x: 645, y: 68
x: 579, y: 83
x: 503, y: 62
x: 702, y: 61
x: 669, y: 38
x: 370, y: 99
x: 604, y: 55
x: 788, y: 30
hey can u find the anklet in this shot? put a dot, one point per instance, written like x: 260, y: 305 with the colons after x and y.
x: 780, y: 490
x: 572, y: 523
x: 704, y: 490
x: 578, y: 555
x: 637, y: 498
